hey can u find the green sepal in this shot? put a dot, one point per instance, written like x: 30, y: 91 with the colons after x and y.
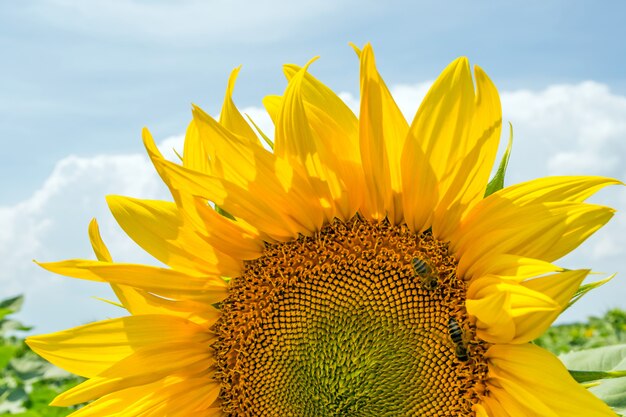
x: 584, y: 289
x: 588, y: 376
x: 266, y: 139
x: 113, y: 303
x: 224, y: 213
x: 497, y: 182
x: 178, y: 155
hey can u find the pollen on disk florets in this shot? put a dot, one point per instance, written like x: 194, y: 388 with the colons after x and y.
x: 353, y: 321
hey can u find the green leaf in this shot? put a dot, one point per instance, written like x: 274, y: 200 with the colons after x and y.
x: 497, y: 182
x: 29, y: 367
x: 12, y: 400
x: 12, y: 325
x: 613, y: 393
x: 6, y: 353
x: 609, y: 359
x: 11, y: 305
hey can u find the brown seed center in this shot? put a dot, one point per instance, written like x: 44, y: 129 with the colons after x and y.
x: 362, y: 319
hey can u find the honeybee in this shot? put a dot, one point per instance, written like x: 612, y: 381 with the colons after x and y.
x: 427, y: 276
x: 456, y: 334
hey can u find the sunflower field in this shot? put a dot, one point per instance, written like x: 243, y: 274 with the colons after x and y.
x: 28, y: 383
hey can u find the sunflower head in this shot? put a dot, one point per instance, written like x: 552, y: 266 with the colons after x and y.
x: 360, y: 267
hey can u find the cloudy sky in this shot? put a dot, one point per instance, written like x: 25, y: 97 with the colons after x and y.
x: 78, y: 80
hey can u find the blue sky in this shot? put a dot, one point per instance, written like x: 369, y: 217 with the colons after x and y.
x: 78, y: 81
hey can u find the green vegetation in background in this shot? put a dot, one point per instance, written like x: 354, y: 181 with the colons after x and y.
x: 595, y: 332
x: 27, y: 382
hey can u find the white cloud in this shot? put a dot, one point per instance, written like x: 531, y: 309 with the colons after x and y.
x: 52, y: 225
x: 582, y: 127
x: 562, y: 129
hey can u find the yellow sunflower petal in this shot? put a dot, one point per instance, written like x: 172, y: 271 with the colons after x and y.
x: 228, y: 235
x: 309, y: 151
x: 537, y: 382
x: 253, y: 168
x: 195, y: 154
x: 513, y: 267
x: 420, y: 187
x: 512, y: 312
x: 165, y: 282
x: 334, y: 137
x: 545, y: 231
x: 455, y: 134
x: 102, y: 254
x: 141, y: 302
x: 272, y: 105
x: 480, y: 410
x: 506, y: 404
x: 97, y: 244
x: 158, y: 227
x: 332, y: 120
x: 90, y: 349
x: 561, y: 288
x: 119, y: 403
x: 230, y: 117
x: 497, y: 207
x: 270, y: 207
x: 382, y: 130
x: 187, y: 397
x: 145, y: 365
x: 493, y: 408
x: 172, y: 396
x: 575, y: 189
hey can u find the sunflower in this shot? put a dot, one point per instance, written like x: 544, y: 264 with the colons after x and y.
x: 362, y: 267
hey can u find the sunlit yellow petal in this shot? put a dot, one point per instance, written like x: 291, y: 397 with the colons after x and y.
x: 309, y: 151
x: 514, y: 312
x: 574, y: 189
x: 545, y: 231
x: 170, y: 396
x: 90, y: 349
x: 272, y: 105
x: 252, y: 167
x: 230, y: 236
x: 140, y: 302
x: 195, y: 155
x: 537, y: 382
x: 157, y: 226
x: 97, y: 244
x: 165, y: 282
x: 145, y: 365
x: 513, y: 267
x: 336, y: 128
x: 382, y: 131
x: 230, y: 117
x: 455, y: 134
x: 265, y: 212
